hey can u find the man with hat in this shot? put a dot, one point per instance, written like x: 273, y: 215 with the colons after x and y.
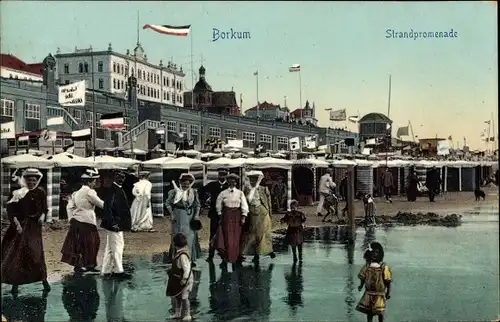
x: 116, y: 219
x: 209, y: 194
x: 326, y: 185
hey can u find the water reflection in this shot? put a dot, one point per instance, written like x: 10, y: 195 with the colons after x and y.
x: 80, y: 297
x: 368, y: 238
x: 224, y: 296
x: 255, y: 290
x: 25, y: 308
x: 350, y: 300
x: 113, y: 299
x: 294, y: 287
x: 193, y: 296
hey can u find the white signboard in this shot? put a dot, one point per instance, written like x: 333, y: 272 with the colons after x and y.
x: 8, y: 130
x: 72, y: 94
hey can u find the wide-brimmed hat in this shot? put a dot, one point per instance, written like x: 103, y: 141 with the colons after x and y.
x: 254, y: 173
x: 223, y: 170
x: 232, y: 176
x: 186, y: 177
x: 32, y: 173
x: 90, y: 174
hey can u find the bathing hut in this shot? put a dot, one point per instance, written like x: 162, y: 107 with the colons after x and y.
x: 340, y: 169
x: 165, y: 170
x: 109, y: 163
x: 396, y: 167
x: 277, y: 177
x: 452, y: 176
x: 13, y: 165
x: 305, y: 179
x: 467, y: 175
x: 233, y: 165
x: 364, y: 176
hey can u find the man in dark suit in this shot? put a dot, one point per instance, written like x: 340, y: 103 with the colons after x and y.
x: 432, y: 181
x: 209, y: 194
x: 116, y: 220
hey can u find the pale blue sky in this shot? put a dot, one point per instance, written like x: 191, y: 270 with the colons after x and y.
x: 444, y: 86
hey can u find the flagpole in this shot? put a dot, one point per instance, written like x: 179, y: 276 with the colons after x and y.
x: 494, y: 137
x: 192, y: 69
x: 93, y: 105
x: 300, y: 92
x: 258, y: 104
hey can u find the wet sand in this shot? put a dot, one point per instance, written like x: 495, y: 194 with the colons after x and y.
x: 159, y: 241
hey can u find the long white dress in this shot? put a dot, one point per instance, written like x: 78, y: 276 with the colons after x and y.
x: 142, y: 216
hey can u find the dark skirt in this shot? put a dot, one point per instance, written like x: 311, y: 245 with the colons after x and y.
x: 81, y: 245
x: 228, y: 236
x: 294, y: 236
x: 23, y: 260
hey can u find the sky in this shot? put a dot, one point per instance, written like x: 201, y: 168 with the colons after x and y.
x: 442, y: 86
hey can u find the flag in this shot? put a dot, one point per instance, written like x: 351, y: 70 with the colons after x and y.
x: 294, y: 68
x: 8, y: 130
x: 310, y: 142
x: 69, y: 148
x: 49, y: 136
x: 371, y: 142
x: 55, y: 121
x: 403, y: 131
x: 256, y: 73
x: 72, y: 94
x: 81, y: 135
x: 294, y: 144
x: 338, y: 115
x: 23, y: 138
x: 112, y: 121
x: 487, y: 122
x: 170, y: 30
x: 450, y: 138
x: 353, y: 119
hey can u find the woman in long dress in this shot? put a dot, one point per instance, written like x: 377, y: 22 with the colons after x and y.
x: 23, y: 259
x: 142, y: 215
x: 232, y: 209
x: 412, y: 184
x: 82, y: 241
x: 183, y: 206
x: 257, y: 240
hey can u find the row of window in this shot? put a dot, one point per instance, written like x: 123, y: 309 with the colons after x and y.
x: 31, y: 111
x: 17, y: 77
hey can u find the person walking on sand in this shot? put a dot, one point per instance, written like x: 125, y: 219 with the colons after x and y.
x: 232, y: 208
x: 183, y: 206
x: 257, y: 239
x: 141, y: 212
x: 388, y: 184
x: 23, y: 259
x: 326, y: 185
x: 82, y: 241
x: 209, y: 194
x: 432, y: 182
x: 295, y: 230
x: 376, y: 278
x: 180, y: 279
x: 412, y: 185
x: 116, y: 220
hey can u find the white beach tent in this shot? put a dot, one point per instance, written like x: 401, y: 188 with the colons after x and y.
x: 225, y: 163
x: 27, y: 161
x: 156, y: 163
x: 66, y: 159
x: 182, y: 163
x: 135, y: 151
x: 109, y: 162
x: 343, y: 163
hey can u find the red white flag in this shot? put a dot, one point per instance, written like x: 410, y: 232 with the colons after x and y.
x: 182, y: 31
x: 294, y: 68
x: 112, y: 121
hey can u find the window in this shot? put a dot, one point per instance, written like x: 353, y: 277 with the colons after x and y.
x: 32, y: 111
x: 89, y: 117
x: 173, y: 98
x: 7, y: 108
x: 86, y: 67
x: 164, y: 81
x: 164, y: 95
x: 149, y: 92
x: 114, y: 67
x: 168, y: 96
x: 282, y: 143
x: 78, y: 115
x: 132, y: 69
x: 122, y: 83
x: 143, y: 75
x: 139, y: 74
x: 66, y: 68
x: 80, y: 68
x: 100, y: 67
x: 168, y: 81
x: 97, y: 120
x: 214, y: 132
x: 230, y: 134
x: 101, y: 83
x: 248, y: 140
x: 171, y: 126
x: 114, y: 83
x: 266, y: 141
x: 122, y: 69
x: 194, y: 130
x: 180, y: 85
x: 183, y: 128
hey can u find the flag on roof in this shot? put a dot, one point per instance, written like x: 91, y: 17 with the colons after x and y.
x: 170, y: 30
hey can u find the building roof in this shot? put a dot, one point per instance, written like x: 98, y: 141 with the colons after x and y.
x: 12, y: 62
x: 375, y: 117
x: 297, y: 113
x: 224, y: 99
x: 265, y: 106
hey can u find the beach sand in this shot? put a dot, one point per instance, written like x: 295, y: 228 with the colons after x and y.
x: 159, y: 241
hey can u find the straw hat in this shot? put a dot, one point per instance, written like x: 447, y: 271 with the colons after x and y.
x: 232, y: 176
x: 32, y: 173
x: 186, y: 177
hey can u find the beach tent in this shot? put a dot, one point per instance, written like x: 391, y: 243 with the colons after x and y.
x: 66, y: 159
x: 27, y: 161
x: 305, y: 179
x: 110, y: 163
x: 233, y: 165
x: 364, y: 176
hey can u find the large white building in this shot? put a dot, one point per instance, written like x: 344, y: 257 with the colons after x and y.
x: 14, y: 68
x: 155, y: 83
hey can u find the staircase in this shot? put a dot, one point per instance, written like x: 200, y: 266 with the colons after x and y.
x: 54, y: 111
x: 138, y: 130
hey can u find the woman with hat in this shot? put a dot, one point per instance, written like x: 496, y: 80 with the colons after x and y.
x: 183, y: 206
x: 142, y: 215
x: 257, y: 240
x: 23, y: 259
x: 232, y: 209
x: 82, y: 241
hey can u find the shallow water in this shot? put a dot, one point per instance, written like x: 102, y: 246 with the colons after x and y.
x: 438, y: 274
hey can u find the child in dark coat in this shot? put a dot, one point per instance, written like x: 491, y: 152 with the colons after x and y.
x: 295, y: 231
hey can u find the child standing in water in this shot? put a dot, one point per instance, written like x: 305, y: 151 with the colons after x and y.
x: 294, y: 233
x: 369, y: 211
x: 376, y: 277
x: 180, y: 279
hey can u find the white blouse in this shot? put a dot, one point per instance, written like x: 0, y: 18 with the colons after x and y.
x: 232, y: 198
x: 82, y: 204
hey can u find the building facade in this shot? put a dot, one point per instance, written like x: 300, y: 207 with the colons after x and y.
x: 108, y: 71
x: 374, y: 126
x: 268, y: 111
x: 305, y: 115
x: 13, y: 68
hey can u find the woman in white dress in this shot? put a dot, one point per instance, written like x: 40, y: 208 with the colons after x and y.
x: 142, y: 216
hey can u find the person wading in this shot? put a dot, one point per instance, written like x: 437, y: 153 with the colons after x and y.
x: 23, y: 259
x: 209, y: 193
x: 326, y: 185
x: 116, y: 220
